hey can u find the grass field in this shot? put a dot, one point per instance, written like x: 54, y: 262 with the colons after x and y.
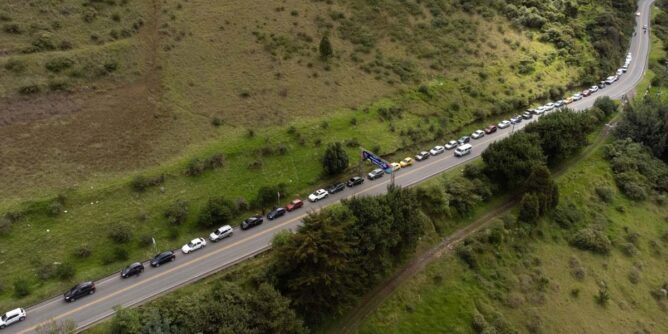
x: 393, y: 86
x: 530, y: 285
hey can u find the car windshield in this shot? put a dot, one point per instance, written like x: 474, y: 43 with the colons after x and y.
x: 191, y: 244
x: 4, y: 317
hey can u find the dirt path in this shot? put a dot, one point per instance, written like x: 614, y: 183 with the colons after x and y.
x: 369, y: 303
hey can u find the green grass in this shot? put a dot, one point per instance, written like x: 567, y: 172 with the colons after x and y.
x: 427, y: 304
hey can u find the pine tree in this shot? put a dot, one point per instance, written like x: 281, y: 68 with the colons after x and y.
x: 335, y: 160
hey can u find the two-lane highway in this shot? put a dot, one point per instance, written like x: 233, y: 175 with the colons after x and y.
x: 113, y: 290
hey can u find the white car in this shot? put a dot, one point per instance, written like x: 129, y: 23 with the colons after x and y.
x: 193, y: 245
x: 318, y: 195
x: 451, y: 144
x: 539, y: 111
x: 620, y: 71
x: 437, y: 150
x: 577, y: 97
x: 478, y: 134
x: 221, y: 233
x: 503, y: 124
x: 593, y: 89
x: 12, y: 317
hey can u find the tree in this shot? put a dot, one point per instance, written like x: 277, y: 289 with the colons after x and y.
x: 646, y: 123
x: 541, y: 184
x: 125, y: 321
x: 218, y: 211
x: 561, y: 134
x: 509, y: 161
x: 335, y: 160
x: 314, y: 268
x: 267, y: 196
x: 462, y: 196
x: 529, y: 208
x: 606, y: 104
x: 326, y: 50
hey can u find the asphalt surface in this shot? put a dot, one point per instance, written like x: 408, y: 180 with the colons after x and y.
x: 113, y: 290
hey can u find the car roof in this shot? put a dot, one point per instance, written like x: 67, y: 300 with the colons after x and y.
x: 15, y: 311
x: 166, y: 253
x: 464, y: 147
x: 193, y: 240
x: 296, y: 200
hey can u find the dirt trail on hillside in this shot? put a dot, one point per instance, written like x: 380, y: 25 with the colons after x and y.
x: 369, y: 303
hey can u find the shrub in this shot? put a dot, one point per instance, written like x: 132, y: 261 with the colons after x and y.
x: 195, y: 167
x: 216, y: 121
x: 603, y: 296
x: 110, y: 66
x: 529, y: 209
x: 177, y: 213
x: 605, y: 194
x: 120, y: 234
x: 21, y: 288
x: 592, y: 240
x: 606, y: 104
x: 140, y: 183
x: 15, y: 65
x: 65, y: 271
x: 5, y: 226
x: 55, y: 208
x: 12, y: 28
x: 326, y: 50
x: 29, y: 89
x: 567, y: 216
x: 629, y: 249
x: 59, y: 64
x: 83, y: 251
x: 218, y: 211
x: 634, y: 276
x: 45, y: 271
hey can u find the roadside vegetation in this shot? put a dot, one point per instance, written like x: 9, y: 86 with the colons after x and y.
x: 342, y: 252
x: 211, y: 123
x: 598, y: 255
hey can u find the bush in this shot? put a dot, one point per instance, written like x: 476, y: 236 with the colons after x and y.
x: 120, y: 234
x: 634, y: 276
x: 29, y: 89
x: 5, y: 226
x: 12, y: 28
x: 45, y: 271
x: 567, y: 216
x: 65, y: 271
x: 59, y: 64
x: 21, y: 288
x: 195, y: 167
x: 603, y: 296
x: 15, y: 65
x: 83, y: 251
x: 177, y: 213
x: 605, y: 194
x: 140, y: 183
x: 592, y: 240
x: 121, y: 254
x: 216, y: 121
x: 55, y: 208
x: 606, y: 104
x: 629, y: 249
x: 218, y: 211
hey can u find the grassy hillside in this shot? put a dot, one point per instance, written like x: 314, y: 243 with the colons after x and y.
x: 245, y: 80
x: 542, y: 284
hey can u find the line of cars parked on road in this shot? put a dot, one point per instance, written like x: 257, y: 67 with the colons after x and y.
x: 462, y: 147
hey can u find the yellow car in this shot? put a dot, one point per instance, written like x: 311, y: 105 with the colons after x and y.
x: 406, y: 162
x: 395, y: 166
x: 568, y: 100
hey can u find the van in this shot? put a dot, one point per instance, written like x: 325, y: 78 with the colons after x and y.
x: 463, y: 150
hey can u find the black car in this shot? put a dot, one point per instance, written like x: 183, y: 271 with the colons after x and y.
x: 251, y: 222
x: 336, y: 188
x: 422, y: 156
x: 276, y: 213
x: 464, y: 140
x: 79, y: 290
x: 376, y: 173
x: 163, y: 258
x: 133, y: 269
x: 355, y: 181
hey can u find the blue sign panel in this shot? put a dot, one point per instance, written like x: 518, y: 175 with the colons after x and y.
x: 376, y: 160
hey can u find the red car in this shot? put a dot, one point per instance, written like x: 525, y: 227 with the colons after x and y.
x: 586, y: 92
x: 294, y: 205
x: 490, y: 129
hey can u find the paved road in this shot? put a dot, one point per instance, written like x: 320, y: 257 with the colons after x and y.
x: 113, y: 290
